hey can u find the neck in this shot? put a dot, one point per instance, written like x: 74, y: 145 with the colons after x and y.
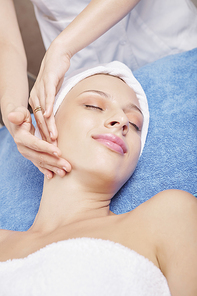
x: 65, y: 201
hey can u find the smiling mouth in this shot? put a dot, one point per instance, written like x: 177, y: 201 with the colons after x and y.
x: 112, y: 141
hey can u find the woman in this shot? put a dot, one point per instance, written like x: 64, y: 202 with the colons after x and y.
x: 102, y: 125
x: 141, y: 37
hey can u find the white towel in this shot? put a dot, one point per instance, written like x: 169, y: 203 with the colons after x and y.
x: 115, y: 69
x: 82, y: 267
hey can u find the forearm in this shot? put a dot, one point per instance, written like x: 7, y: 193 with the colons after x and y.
x: 98, y: 17
x: 13, y: 81
x: 13, y: 70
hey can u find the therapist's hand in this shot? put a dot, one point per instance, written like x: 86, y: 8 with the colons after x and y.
x: 91, y: 23
x: 54, y: 65
x: 44, y: 155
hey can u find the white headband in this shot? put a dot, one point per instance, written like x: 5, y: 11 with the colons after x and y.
x: 115, y: 69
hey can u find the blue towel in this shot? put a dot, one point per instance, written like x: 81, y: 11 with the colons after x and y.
x: 20, y: 186
x: 168, y: 160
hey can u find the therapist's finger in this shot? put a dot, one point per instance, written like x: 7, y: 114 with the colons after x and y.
x: 41, y: 123
x: 49, y: 171
x: 46, y: 172
x: 51, y: 125
x: 48, y: 163
x: 50, y: 92
x: 37, y: 102
x: 30, y: 145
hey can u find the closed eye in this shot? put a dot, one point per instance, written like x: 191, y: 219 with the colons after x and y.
x: 93, y: 107
x: 135, y: 126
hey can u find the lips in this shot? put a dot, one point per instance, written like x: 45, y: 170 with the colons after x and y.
x: 112, y: 141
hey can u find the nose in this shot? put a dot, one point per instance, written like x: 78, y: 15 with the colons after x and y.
x: 119, y: 121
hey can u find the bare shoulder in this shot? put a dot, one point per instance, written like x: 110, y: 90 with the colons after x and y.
x: 177, y: 206
x: 173, y: 196
x: 169, y: 222
x: 4, y: 234
x: 174, y: 225
x: 170, y: 211
x: 167, y: 204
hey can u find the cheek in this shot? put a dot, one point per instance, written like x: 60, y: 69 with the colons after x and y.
x: 74, y: 133
x: 134, y: 153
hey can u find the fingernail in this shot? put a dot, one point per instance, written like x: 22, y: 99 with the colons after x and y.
x: 48, y: 177
x: 51, y: 135
x: 59, y: 172
x: 67, y: 169
x: 64, y: 168
x: 55, y: 153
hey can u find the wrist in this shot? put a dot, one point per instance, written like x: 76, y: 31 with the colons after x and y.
x: 61, y: 45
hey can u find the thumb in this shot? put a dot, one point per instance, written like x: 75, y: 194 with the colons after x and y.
x: 18, y: 116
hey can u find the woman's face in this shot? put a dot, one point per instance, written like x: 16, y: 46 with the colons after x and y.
x: 99, y: 125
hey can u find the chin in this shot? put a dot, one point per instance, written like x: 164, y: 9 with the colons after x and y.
x: 103, y: 169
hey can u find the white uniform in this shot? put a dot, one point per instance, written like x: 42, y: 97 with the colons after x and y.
x: 153, y: 29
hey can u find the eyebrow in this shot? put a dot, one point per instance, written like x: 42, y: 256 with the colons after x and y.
x: 101, y: 93
x: 133, y: 106
x: 106, y: 95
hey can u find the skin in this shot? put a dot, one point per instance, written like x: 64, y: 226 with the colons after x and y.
x: 100, y: 15
x: 14, y: 97
x: 163, y: 229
